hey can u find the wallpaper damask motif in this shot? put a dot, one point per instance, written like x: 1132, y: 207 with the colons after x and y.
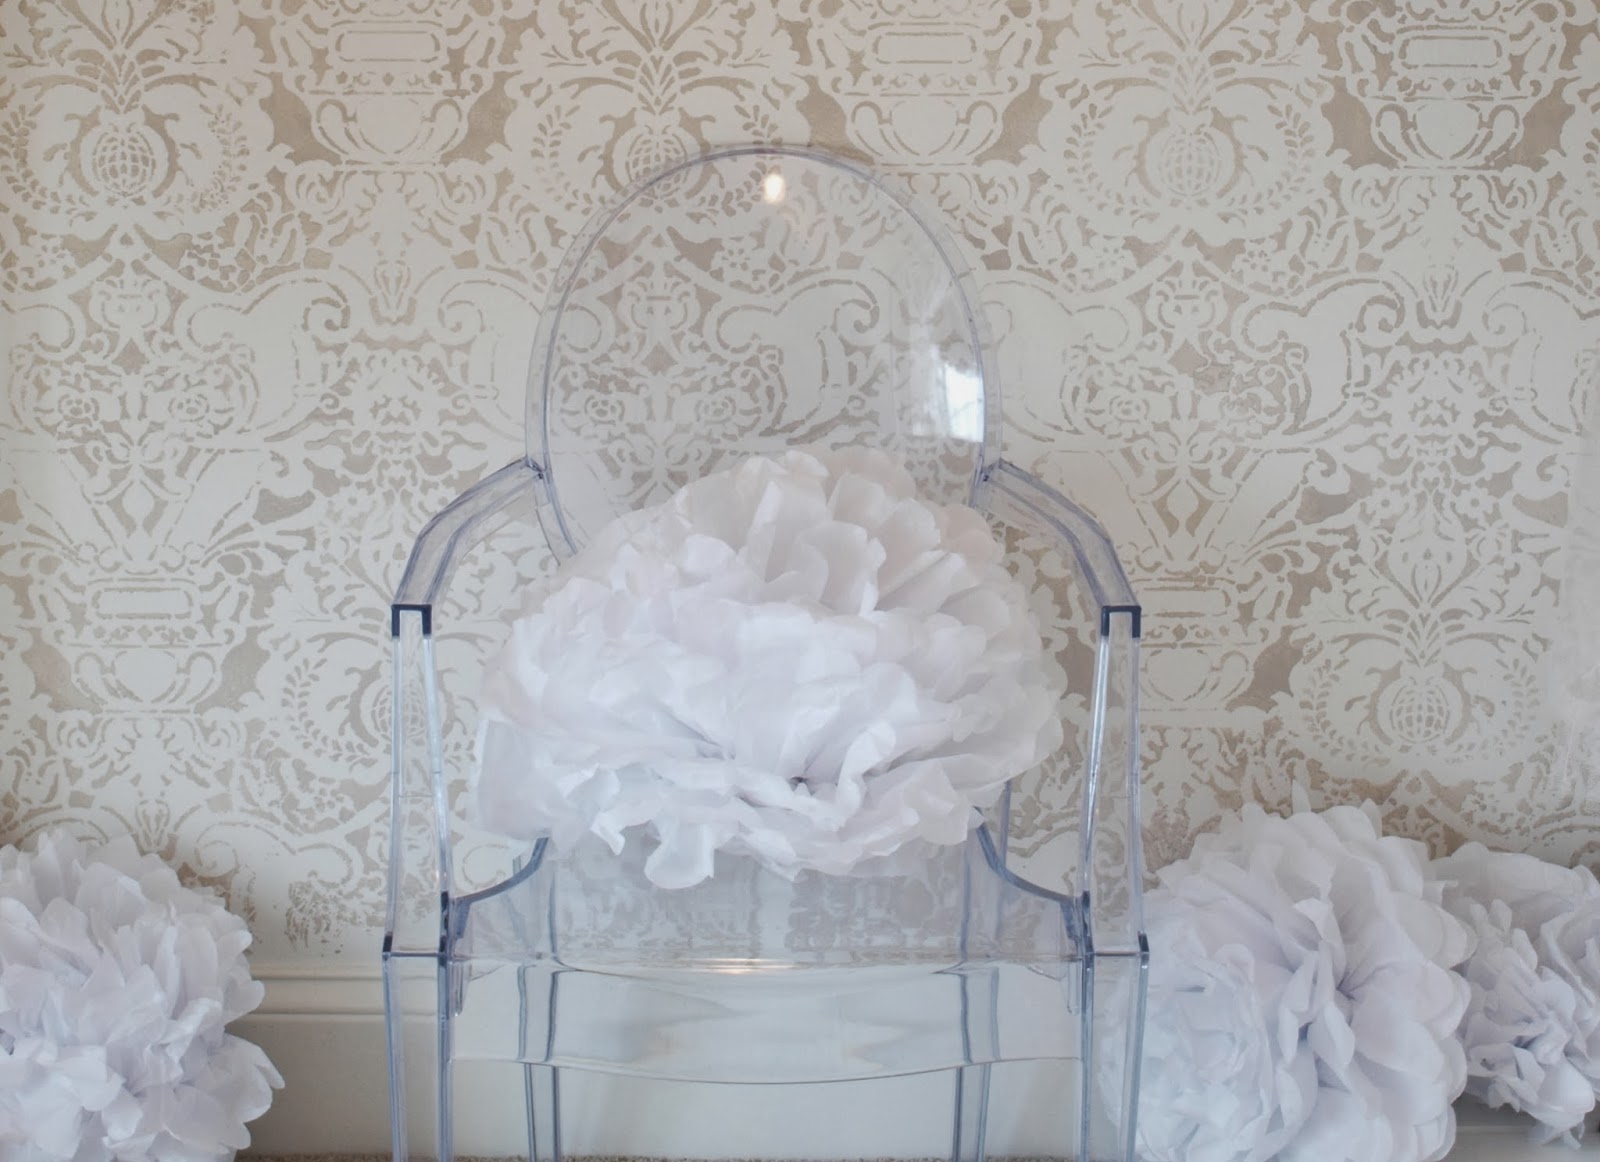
x: 1301, y: 298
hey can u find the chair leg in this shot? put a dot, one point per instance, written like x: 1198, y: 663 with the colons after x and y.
x: 394, y: 1029
x: 541, y: 1091
x: 420, y: 1036
x: 446, y: 1074
x: 972, y: 1113
x: 980, y: 1031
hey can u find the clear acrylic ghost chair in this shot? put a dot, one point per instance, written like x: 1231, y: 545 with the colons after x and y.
x: 745, y: 301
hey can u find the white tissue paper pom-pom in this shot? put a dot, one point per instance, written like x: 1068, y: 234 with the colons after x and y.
x: 1302, y: 1002
x: 115, y: 984
x: 797, y: 659
x: 1216, y: 1087
x: 1532, y: 1029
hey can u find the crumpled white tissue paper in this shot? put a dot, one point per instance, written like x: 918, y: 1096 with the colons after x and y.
x: 115, y: 984
x: 797, y: 659
x: 1302, y: 1004
x: 1532, y: 1029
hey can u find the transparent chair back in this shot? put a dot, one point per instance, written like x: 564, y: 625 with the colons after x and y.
x: 749, y: 301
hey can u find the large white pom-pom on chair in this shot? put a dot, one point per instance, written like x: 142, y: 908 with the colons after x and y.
x: 783, y: 304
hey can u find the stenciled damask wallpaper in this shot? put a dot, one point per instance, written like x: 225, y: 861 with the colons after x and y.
x: 1301, y: 298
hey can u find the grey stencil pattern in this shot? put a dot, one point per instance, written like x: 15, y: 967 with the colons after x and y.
x: 1299, y: 297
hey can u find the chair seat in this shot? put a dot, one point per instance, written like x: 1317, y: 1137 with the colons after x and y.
x: 856, y: 976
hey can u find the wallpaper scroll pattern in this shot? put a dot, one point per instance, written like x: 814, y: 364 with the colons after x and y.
x: 1302, y: 298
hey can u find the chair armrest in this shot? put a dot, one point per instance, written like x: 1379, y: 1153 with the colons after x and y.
x: 419, y: 823
x: 1110, y: 871
x: 1028, y: 502
x: 461, y: 526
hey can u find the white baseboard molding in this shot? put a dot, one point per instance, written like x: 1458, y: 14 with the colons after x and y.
x: 295, y: 991
x: 323, y: 1028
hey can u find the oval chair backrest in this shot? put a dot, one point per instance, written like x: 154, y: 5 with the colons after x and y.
x: 747, y: 301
